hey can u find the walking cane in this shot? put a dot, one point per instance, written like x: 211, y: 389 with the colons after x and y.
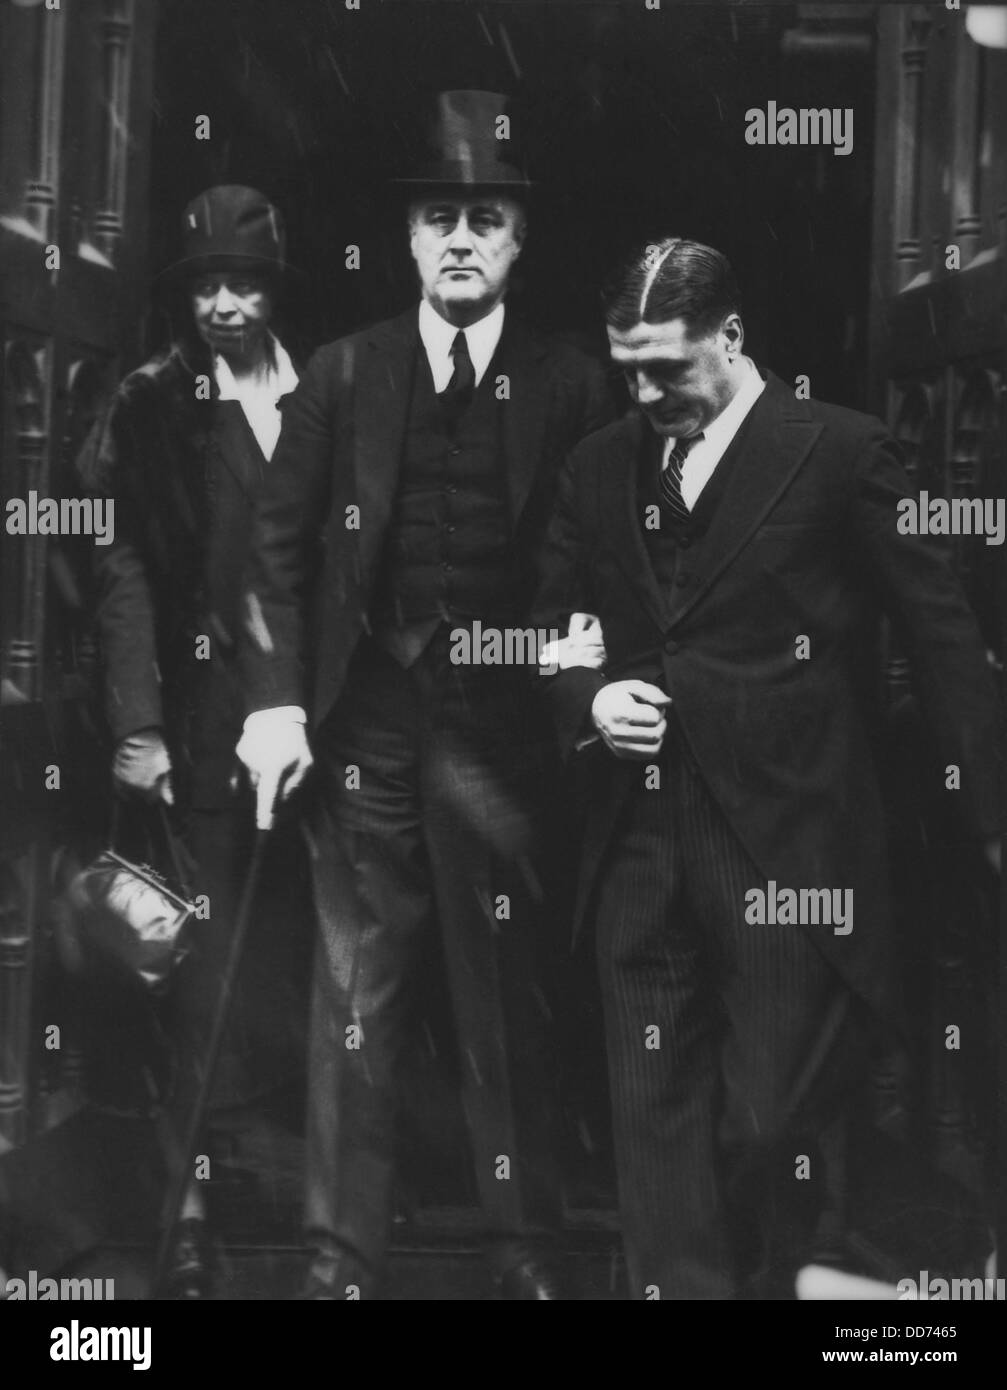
x: 182, y: 1155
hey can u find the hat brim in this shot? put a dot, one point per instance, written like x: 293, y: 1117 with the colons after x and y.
x: 479, y: 171
x: 189, y: 266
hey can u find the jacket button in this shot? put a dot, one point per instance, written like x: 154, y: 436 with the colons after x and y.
x: 685, y: 542
x: 451, y: 487
x: 455, y: 450
x: 684, y: 580
x: 671, y: 647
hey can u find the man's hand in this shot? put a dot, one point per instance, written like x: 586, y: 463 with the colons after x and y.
x: 274, y: 749
x: 584, y: 645
x: 141, y: 767
x: 629, y: 715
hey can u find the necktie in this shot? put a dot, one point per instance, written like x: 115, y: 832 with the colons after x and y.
x: 457, y: 395
x: 671, y: 479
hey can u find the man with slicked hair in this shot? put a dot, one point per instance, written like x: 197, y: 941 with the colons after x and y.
x: 734, y: 541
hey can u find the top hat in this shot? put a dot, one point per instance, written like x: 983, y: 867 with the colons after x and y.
x: 464, y: 148
x: 230, y: 227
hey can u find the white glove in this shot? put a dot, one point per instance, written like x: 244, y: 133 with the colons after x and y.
x: 630, y: 717
x: 584, y: 645
x: 274, y: 748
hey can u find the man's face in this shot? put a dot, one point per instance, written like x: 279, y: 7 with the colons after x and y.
x: 464, y: 248
x: 232, y: 310
x: 680, y: 378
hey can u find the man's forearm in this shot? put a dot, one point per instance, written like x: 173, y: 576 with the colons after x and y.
x: 570, y: 695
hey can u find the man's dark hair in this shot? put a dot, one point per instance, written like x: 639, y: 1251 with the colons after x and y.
x: 672, y: 279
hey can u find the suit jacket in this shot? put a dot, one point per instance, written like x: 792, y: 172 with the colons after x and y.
x: 322, y: 518
x: 803, y: 544
x: 184, y: 473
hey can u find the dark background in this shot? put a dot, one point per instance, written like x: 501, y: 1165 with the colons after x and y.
x: 630, y: 121
x: 631, y: 124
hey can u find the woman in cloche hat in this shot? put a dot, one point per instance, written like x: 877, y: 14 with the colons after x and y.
x: 182, y: 449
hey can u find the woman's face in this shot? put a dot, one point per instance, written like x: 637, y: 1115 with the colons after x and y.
x: 232, y: 310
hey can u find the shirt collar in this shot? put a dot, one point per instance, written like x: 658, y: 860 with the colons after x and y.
x: 279, y: 379
x: 482, y: 337
x: 721, y: 430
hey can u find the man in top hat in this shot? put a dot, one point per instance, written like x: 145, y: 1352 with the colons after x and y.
x: 183, y: 449
x: 413, y: 478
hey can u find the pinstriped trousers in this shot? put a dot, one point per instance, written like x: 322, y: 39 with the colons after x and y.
x: 730, y: 1046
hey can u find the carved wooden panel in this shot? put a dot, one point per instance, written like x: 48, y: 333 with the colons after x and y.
x: 75, y: 84
x: 25, y: 469
x: 938, y: 371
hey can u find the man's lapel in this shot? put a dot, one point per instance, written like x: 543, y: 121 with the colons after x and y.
x: 521, y: 358
x: 779, y: 437
x: 382, y: 387
x: 621, y: 504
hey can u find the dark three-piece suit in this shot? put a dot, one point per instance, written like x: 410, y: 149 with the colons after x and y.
x: 386, y: 524
x: 731, y: 1040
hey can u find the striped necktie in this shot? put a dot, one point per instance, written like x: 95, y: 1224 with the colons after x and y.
x: 671, y: 480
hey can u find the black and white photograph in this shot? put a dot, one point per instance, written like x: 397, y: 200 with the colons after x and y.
x: 504, y: 612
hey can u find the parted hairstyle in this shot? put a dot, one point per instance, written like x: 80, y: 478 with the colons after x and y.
x: 671, y: 279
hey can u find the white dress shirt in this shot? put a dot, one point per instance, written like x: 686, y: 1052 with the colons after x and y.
x: 703, y: 457
x: 259, y: 395
x: 438, y: 336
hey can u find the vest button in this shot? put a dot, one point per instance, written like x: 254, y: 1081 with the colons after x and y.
x: 451, y: 487
x: 684, y: 580
x: 450, y: 529
x: 685, y: 542
x: 455, y: 450
x: 448, y: 569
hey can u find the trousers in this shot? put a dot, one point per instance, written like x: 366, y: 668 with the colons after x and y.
x: 731, y: 1047
x: 428, y: 810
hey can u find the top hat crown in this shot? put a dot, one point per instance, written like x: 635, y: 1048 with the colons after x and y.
x: 231, y: 227
x: 465, y: 146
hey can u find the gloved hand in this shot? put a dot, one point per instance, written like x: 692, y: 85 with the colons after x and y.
x: 630, y: 716
x: 274, y: 749
x: 584, y: 645
x: 141, y: 766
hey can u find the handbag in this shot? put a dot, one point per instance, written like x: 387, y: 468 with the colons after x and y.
x: 131, y: 915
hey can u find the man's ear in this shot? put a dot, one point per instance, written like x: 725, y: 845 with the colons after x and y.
x: 520, y: 226
x: 734, y: 331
